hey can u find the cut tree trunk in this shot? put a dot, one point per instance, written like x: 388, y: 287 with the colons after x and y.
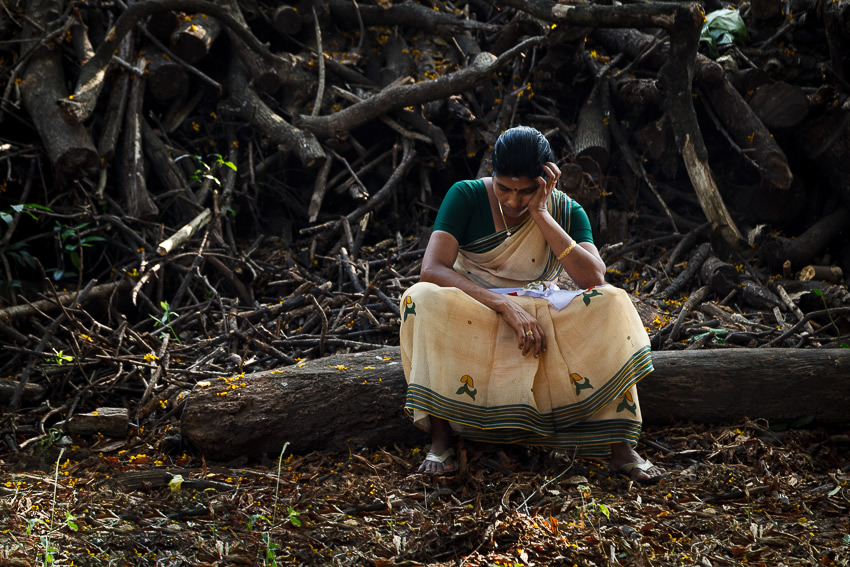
x: 286, y: 20
x: 780, y: 105
x: 193, y: 40
x: 355, y: 400
x: 69, y: 147
x: 116, y: 105
x: 166, y: 78
x: 593, y: 140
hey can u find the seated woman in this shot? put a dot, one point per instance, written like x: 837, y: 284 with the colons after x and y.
x: 518, y: 368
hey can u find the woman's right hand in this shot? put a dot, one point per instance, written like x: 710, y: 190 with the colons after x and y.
x: 528, y: 330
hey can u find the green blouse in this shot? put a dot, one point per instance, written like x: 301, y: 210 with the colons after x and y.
x: 465, y: 214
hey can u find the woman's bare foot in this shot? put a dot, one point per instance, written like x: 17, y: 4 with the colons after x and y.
x: 440, y: 458
x: 625, y: 460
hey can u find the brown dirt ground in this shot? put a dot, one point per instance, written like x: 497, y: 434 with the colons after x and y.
x: 739, y: 494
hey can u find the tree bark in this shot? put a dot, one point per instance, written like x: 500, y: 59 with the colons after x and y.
x: 246, y: 104
x: 780, y: 105
x: 835, y: 20
x: 166, y: 78
x: 69, y: 147
x: 193, y: 40
x: 132, y: 177
x: 355, y: 400
x: 593, y: 140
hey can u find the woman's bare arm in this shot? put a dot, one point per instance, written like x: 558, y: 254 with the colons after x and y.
x: 583, y: 263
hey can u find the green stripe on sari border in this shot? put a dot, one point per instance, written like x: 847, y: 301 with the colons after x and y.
x: 632, y: 372
x: 500, y: 422
x: 524, y: 415
x: 585, y: 445
x: 497, y: 420
x: 585, y: 433
x: 603, y: 432
x: 429, y: 401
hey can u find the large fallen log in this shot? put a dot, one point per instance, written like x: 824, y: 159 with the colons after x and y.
x: 355, y: 400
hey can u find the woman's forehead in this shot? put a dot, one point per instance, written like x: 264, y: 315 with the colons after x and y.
x: 521, y: 182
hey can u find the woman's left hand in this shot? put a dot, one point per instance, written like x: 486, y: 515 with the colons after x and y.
x: 545, y: 187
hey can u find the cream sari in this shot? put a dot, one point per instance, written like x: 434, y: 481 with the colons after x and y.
x: 462, y: 363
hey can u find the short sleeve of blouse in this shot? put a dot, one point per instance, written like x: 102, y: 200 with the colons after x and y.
x: 580, y: 224
x: 457, y: 210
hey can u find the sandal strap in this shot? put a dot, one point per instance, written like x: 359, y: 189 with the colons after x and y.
x: 629, y: 467
x: 441, y: 458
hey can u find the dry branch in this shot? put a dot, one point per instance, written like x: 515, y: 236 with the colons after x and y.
x: 64, y: 298
x: 245, y: 103
x: 185, y: 233
x: 394, y: 98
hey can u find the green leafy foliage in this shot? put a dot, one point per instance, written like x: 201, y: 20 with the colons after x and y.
x: 59, y: 357
x: 293, y: 517
x: 165, y: 320
x: 73, y: 241
x: 27, y: 208
x: 206, y: 167
x: 69, y: 521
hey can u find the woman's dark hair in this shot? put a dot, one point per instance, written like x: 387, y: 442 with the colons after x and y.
x: 521, y: 152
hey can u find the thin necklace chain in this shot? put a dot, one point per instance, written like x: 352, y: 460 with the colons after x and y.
x: 503, y: 215
x: 501, y: 212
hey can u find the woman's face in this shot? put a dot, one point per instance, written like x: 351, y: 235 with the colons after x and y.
x: 514, y: 193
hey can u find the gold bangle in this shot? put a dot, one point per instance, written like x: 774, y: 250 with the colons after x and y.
x: 567, y: 250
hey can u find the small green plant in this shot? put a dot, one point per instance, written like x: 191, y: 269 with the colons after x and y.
x: 270, y: 559
x: 6, y: 215
x: 51, y: 437
x: 591, y: 509
x: 255, y: 518
x: 293, y: 517
x: 165, y: 320
x: 69, y: 521
x: 206, y: 167
x: 49, y: 551
x: 73, y: 242
x: 33, y: 522
x: 598, y: 508
x: 59, y: 357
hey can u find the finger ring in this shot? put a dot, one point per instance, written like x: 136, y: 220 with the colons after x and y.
x: 529, y: 333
